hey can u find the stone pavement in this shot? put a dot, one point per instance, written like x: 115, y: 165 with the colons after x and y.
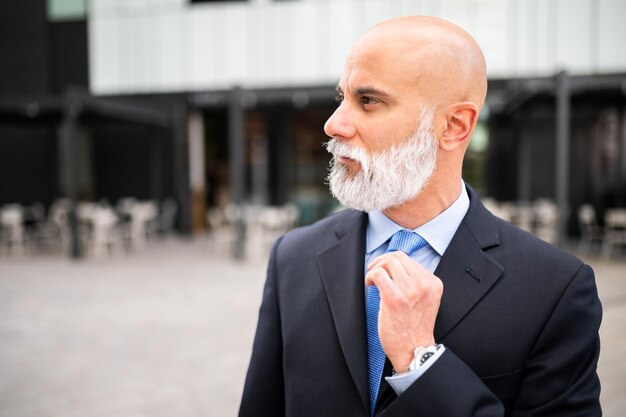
x: 168, y: 332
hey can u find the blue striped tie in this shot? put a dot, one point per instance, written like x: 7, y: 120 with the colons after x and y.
x: 407, y: 242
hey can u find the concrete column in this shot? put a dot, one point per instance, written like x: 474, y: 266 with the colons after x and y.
x: 562, y: 94
x: 180, y: 165
x: 73, y: 109
x: 279, y: 156
x: 236, y: 162
x: 197, y: 180
x: 524, y: 161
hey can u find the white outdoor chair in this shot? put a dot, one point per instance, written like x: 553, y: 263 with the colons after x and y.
x: 506, y: 211
x: 525, y: 217
x: 105, y: 237
x: 58, y: 228
x: 614, y: 231
x: 143, y: 216
x: 12, y: 226
x: 590, y: 231
x: 221, y: 230
x: 546, y: 214
x: 265, y: 224
x: 167, y: 218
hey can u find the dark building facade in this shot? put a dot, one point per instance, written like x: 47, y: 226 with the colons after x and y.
x: 48, y: 119
x: 264, y: 146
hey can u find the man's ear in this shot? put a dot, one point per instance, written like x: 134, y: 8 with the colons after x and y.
x: 461, y: 119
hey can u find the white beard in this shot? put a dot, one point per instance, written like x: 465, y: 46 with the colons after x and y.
x: 389, y: 178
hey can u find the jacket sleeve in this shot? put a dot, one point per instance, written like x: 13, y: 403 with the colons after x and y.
x: 449, y: 388
x: 263, y: 393
x: 558, y: 379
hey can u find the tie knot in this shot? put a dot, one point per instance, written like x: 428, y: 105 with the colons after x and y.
x: 406, y: 241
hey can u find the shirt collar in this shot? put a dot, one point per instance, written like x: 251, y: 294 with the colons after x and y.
x: 438, y: 232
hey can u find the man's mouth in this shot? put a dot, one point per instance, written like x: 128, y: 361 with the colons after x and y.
x: 345, y: 160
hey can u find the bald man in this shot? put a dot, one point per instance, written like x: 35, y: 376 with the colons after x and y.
x: 418, y: 301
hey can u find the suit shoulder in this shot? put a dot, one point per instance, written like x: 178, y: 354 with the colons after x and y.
x: 328, y: 226
x: 535, y: 253
x: 324, y: 230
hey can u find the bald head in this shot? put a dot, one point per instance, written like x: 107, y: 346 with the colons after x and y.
x: 411, y: 81
x: 442, y: 60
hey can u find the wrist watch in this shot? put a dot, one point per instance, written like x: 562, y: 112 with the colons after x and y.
x: 420, y: 355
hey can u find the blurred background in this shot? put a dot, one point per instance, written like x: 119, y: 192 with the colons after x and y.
x: 166, y: 143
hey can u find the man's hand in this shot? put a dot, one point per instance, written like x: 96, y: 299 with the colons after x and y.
x: 409, y: 302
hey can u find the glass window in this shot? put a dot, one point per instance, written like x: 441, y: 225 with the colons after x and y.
x: 216, y: 1
x: 63, y: 10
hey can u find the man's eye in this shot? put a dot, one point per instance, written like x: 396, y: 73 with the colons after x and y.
x: 368, y: 100
x: 339, y: 98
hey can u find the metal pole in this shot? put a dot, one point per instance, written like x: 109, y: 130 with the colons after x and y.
x: 524, y: 160
x: 236, y: 162
x: 562, y: 153
x: 72, y: 111
x: 279, y: 169
x: 181, y: 171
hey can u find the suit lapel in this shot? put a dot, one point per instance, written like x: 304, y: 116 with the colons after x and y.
x: 466, y: 270
x: 341, y: 269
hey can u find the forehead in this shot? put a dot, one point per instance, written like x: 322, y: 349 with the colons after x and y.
x: 380, y: 67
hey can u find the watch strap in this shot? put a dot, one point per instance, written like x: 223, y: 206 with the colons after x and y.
x: 421, y: 355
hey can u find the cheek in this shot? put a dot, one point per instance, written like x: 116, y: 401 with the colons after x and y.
x: 379, y: 130
x: 377, y: 136
x: 381, y: 137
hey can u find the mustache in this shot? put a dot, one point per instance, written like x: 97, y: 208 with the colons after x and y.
x: 341, y: 149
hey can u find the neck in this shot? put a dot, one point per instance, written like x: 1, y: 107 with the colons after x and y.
x: 435, y: 197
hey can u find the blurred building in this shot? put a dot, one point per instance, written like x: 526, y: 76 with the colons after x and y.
x: 210, y: 101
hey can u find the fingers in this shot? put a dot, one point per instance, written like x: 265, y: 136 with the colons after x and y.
x: 400, y: 268
x: 383, y: 281
x: 395, y: 274
x: 408, y: 263
x: 410, y: 297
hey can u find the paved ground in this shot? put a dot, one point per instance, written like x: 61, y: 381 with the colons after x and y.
x: 167, y: 332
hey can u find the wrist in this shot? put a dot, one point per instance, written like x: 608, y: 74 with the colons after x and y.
x: 401, y: 359
x: 420, y: 355
x: 401, y: 364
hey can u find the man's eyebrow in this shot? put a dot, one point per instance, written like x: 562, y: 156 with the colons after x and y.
x: 371, y: 91
x: 365, y: 91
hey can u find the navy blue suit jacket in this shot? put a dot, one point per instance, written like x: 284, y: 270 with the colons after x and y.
x: 519, y: 318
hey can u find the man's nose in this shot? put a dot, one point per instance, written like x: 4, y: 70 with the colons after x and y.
x: 340, y: 125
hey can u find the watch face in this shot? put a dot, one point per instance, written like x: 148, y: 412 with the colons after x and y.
x: 425, y: 357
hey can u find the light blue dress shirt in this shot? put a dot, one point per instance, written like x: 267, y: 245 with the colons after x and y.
x: 438, y: 232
